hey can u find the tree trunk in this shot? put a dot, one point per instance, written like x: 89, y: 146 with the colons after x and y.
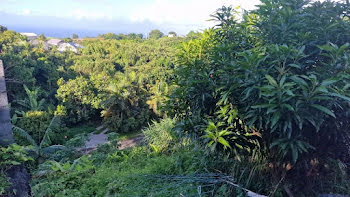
x: 18, y: 175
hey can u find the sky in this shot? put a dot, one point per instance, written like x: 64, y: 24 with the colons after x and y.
x: 62, y: 18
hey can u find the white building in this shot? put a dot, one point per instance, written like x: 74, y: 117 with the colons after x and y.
x: 67, y: 47
x: 30, y: 36
x: 171, y: 34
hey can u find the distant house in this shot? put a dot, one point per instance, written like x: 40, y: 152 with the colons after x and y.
x: 30, y: 36
x: 67, y: 47
x: 55, y: 42
x: 60, y: 44
x: 37, y: 43
x: 171, y: 34
x: 79, y: 46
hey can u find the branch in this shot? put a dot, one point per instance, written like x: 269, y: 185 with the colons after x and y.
x: 13, y: 81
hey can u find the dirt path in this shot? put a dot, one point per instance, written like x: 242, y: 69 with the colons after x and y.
x: 131, y: 142
x: 98, y: 139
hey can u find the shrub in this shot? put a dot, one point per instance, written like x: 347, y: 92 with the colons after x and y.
x: 161, y: 136
x: 35, y: 123
x: 284, y: 68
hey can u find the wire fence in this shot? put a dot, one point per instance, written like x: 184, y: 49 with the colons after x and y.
x: 195, y: 185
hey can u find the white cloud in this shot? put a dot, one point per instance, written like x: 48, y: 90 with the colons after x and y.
x: 25, y: 12
x: 85, y: 14
x: 9, y: 1
x: 184, y: 12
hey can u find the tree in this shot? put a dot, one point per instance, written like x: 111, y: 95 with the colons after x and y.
x: 67, y: 40
x: 75, y: 36
x: 18, y: 175
x: 42, y: 37
x: 134, y: 36
x: 155, y: 34
x: 2, y: 28
x: 193, y: 35
x: 140, y: 36
x: 283, y: 72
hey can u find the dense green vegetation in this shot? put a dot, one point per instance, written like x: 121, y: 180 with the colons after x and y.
x: 259, y: 102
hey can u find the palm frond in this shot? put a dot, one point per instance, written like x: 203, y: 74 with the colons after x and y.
x: 25, y: 135
x: 23, y: 103
x: 41, y: 104
x: 46, y: 141
x: 52, y: 149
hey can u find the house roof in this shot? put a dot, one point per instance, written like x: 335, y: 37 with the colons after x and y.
x: 37, y: 42
x: 28, y: 34
x: 66, y: 47
x: 54, y: 42
x: 77, y: 45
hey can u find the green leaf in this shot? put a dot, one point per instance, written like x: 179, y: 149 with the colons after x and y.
x: 323, y: 109
x: 295, y: 153
x: 288, y: 107
x: 263, y: 106
x: 276, y: 116
x: 25, y: 135
x: 341, y: 96
x: 298, y: 80
x: 224, y: 132
x: 271, y: 80
x: 295, y: 66
x: 222, y: 141
x: 328, y: 82
x: 15, y: 162
x: 283, y: 79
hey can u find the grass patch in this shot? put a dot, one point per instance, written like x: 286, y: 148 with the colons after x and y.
x: 121, y: 174
x: 79, y: 129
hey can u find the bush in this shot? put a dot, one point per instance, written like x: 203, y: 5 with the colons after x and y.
x: 35, y: 123
x: 161, y: 136
x: 284, y: 69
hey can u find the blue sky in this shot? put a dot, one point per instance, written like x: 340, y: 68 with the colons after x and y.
x: 120, y: 16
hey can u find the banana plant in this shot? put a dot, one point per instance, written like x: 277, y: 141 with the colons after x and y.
x: 44, y: 148
x: 32, y: 102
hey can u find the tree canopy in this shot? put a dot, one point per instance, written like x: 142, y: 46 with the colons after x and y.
x: 155, y: 34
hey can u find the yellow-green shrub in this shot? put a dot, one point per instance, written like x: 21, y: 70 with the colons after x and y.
x: 35, y: 123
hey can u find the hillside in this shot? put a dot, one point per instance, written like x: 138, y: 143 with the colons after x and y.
x: 256, y: 106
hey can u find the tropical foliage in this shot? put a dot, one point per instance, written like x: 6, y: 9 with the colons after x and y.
x: 44, y: 147
x: 284, y: 79
x: 259, y: 102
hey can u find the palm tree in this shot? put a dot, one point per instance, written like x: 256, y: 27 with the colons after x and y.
x: 18, y: 174
x: 158, y: 97
x: 44, y: 148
